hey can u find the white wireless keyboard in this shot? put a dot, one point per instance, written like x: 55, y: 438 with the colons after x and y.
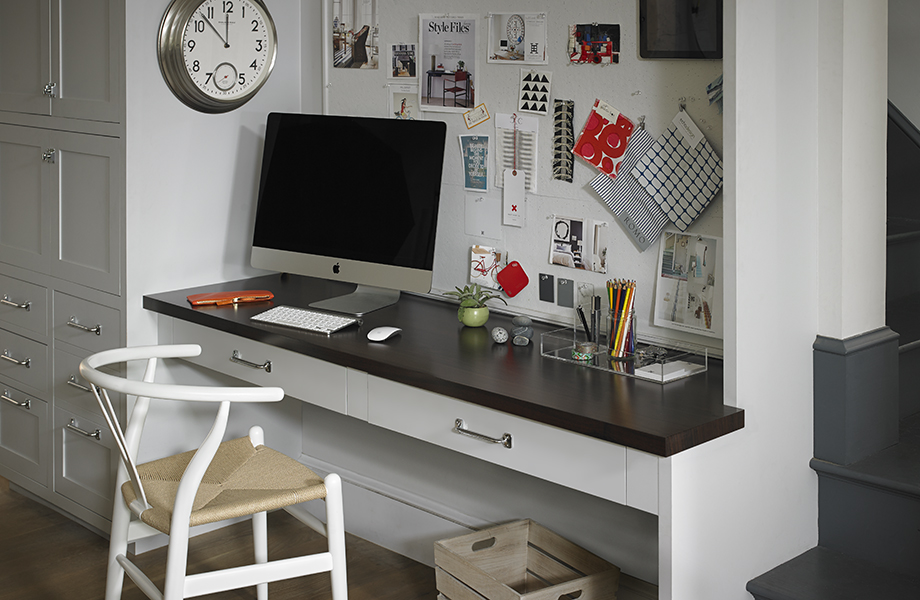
x: 302, y: 318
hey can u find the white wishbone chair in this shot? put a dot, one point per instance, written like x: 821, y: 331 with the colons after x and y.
x: 219, y: 480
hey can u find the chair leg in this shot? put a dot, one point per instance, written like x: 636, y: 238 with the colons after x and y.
x: 260, y: 545
x: 176, y: 563
x: 335, y: 533
x: 118, y: 545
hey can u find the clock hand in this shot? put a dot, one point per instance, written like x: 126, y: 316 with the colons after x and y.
x: 227, y: 29
x: 211, y: 25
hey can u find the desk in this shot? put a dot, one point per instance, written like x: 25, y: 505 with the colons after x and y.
x: 430, y: 75
x: 437, y: 354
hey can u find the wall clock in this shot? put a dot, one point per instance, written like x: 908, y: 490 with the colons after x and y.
x: 215, y: 55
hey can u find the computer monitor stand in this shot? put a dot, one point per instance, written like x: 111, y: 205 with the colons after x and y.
x: 363, y: 300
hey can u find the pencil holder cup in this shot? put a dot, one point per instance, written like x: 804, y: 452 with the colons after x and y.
x: 621, y: 337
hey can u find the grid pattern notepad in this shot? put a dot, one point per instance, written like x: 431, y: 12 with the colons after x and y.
x: 682, y: 180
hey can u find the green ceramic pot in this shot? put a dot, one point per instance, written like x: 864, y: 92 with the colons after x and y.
x: 474, y: 317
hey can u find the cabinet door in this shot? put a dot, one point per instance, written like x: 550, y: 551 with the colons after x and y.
x: 25, y: 229
x: 86, y: 66
x: 87, y: 191
x: 25, y: 56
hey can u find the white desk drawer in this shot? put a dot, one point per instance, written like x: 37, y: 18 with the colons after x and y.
x: 77, y: 321
x: 570, y: 459
x: 24, y: 360
x: 25, y: 304
x: 302, y: 377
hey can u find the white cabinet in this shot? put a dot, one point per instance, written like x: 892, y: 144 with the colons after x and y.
x: 61, y: 197
x: 62, y: 58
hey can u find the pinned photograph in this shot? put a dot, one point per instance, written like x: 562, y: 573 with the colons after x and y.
x: 579, y: 244
x: 447, y: 50
x: 594, y: 44
x: 403, y: 62
x: 687, y: 296
x: 355, y: 31
x: 519, y: 37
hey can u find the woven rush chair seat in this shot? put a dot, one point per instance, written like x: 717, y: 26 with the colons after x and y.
x: 221, y: 480
x: 240, y: 481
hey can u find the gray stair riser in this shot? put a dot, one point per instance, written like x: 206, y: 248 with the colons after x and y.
x: 909, y: 381
x: 867, y: 522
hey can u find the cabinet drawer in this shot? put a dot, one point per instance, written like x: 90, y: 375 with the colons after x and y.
x: 88, y: 325
x: 24, y: 442
x: 24, y: 360
x: 84, y: 467
x: 24, y: 304
x: 302, y: 377
x: 70, y: 388
x: 550, y: 453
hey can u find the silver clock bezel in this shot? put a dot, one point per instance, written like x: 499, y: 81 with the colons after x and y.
x: 171, y: 58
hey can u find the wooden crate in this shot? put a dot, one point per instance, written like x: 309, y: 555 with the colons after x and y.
x: 521, y: 560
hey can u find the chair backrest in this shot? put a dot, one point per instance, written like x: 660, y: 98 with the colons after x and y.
x: 129, y: 441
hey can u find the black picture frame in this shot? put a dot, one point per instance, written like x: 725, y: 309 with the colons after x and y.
x: 680, y: 29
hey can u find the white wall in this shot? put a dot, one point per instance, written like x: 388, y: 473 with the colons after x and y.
x: 744, y: 503
x: 192, y: 178
x: 903, y: 50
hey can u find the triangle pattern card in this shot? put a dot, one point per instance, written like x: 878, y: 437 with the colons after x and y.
x: 681, y: 172
x: 535, y: 91
x: 604, y: 138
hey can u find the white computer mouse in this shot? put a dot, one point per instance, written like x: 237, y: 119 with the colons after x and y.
x: 378, y: 334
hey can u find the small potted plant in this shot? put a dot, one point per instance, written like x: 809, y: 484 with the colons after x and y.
x: 473, y: 311
x: 460, y: 65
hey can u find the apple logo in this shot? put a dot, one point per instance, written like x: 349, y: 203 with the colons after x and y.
x: 335, y: 268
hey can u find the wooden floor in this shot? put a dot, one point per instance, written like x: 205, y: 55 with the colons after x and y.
x: 46, y: 556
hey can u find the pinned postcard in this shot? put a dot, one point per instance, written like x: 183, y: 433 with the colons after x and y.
x: 403, y: 101
x: 474, y: 150
x: 485, y: 264
x: 476, y: 116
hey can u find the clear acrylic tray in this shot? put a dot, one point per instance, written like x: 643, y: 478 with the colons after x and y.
x: 653, y: 363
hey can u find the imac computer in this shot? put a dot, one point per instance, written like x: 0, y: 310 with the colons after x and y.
x: 351, y: 199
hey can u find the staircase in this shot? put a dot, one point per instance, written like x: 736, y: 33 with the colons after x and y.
x: 869, y: 501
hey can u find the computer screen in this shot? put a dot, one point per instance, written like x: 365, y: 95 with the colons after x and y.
x: 351, y: 199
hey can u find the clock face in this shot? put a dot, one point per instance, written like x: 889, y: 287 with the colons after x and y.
x: 216, y: 54
x: 515, y: 30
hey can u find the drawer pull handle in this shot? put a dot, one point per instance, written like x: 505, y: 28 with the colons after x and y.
x: 73, y: 427
x: 27, y: 404
x: 460, y: 427
x: 26, y: 306
x: 267, y: 365
x: 27, y: 363
x: 73, y: 323
x: 73, y: 381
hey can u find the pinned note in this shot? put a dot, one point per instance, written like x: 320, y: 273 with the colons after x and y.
x: 513, y: 198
